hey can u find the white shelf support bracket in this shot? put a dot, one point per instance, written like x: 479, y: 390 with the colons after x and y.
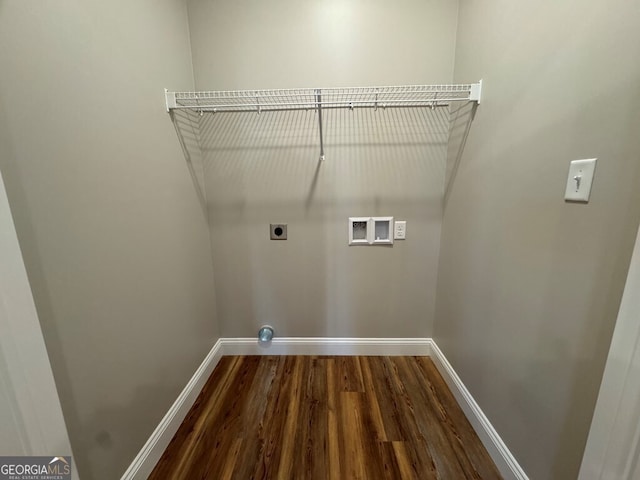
x: 170, y: 100
x: 319, y: 106
x: 476, y: 92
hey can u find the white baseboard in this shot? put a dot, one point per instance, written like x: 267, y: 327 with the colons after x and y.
x: 146, y: 460
x: 500, y: 454
x: 327, y: 346
x: 151, y: 452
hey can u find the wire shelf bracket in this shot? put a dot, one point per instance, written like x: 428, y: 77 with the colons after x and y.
x: 319, y: 99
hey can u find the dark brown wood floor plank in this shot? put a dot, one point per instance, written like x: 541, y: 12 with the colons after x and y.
x: 349, y: 374
x: 447, y: 463
x: 325, y: 418
x: 383, y: 389
x: 277, y: 412
x: 425, y: 453
x: 265, y: 381
x: 177, y: 447
x: 406, y: 467
x: 205, y: 424
x: 391, y: 469
x: 352, y: 452
x: 333, y: 420
x: 312, y: 452
x: 217, y: 438
x: 291, y: 432
x: 180, y: 450
x: 375, y: 414
x: 448, y: 430
x: 231, y: 462
x: 450, y: 413
x: 375, y: 466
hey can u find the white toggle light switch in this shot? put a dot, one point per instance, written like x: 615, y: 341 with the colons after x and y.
x: 400, y: 232
x: 580, y: 179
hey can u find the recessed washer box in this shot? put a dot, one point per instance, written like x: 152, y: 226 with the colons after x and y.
x: 382, y: 230
x: 370, y: 230
x: 359, y: 231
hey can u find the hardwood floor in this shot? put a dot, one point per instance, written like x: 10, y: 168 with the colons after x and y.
x: 262, y: 417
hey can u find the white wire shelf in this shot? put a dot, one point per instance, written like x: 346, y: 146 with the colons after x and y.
x: 319, y: 99
x: 325, y: 98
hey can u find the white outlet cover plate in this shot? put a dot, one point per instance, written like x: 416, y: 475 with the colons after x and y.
x: 400, y: 232
x: 580, y: 180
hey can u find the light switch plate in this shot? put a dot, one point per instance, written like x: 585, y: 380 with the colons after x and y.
x: 580, y: 180
x: 400, y: 232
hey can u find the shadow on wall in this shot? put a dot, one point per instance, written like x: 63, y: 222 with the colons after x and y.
x: 186, y: 124
x: 461, y: 119
x: 394, y: 154
x: 264, y: 168
x: 217, y: 141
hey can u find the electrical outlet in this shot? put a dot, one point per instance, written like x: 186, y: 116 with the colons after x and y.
x: 400, y: 231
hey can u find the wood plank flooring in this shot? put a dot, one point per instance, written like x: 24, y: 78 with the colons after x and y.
x: 303, y: 417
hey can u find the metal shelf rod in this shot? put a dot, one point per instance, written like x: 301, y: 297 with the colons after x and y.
x: 327, y: 104
x: 204, y: 95
x: 205, y: 109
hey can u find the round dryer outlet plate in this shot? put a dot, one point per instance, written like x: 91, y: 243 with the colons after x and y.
x: 278, y: 231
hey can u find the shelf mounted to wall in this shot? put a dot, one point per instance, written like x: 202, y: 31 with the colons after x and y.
x: 319, y: 99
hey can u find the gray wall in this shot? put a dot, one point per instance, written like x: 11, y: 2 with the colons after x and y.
x: 11, y: 441
x: 529, y: 285
x: 113, y: 234
x: 262, y: 169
